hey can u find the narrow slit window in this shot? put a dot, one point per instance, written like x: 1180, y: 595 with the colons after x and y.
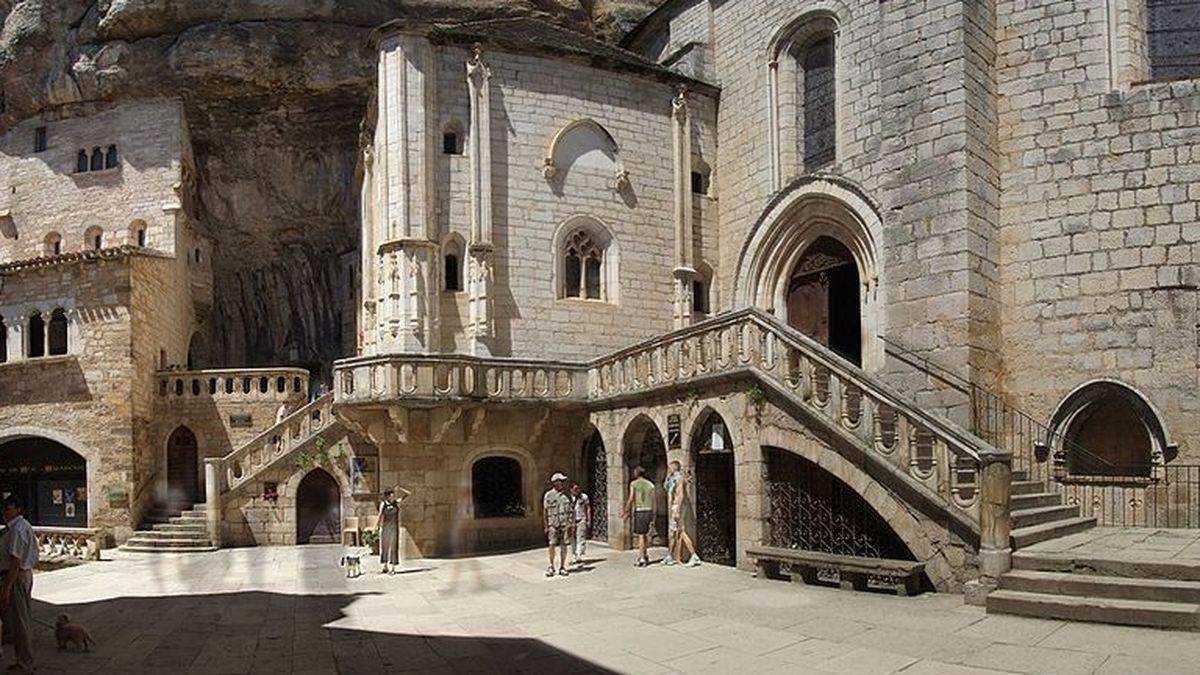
x: 453, y: 276
x: 450, y: 144
x: 97, y: 163
x: 81, y: 162
x: 39, y: 139
x: 110, y: 157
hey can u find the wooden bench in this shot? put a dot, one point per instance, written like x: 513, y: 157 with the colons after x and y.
x: 854, y: 572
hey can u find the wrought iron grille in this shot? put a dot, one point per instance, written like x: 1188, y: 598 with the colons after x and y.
x: 812, y: 510
x: 715, y: 534
x: 597, y: 489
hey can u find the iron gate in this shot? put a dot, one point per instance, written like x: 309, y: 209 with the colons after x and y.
x: 597, y: 486
x: 715, y: 510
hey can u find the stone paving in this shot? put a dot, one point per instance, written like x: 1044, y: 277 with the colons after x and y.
x: 1127, y: 543
x: 290, y: 609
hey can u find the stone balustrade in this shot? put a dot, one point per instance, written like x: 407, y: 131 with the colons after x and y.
x: 420, y: 376
x: 82, y: 543
x: 233, y: 384
x: 295, y: 430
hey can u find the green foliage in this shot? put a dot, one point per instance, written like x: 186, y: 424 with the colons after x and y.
x: 321, y: 455
x: 757, y: 396
x: 370, y: 538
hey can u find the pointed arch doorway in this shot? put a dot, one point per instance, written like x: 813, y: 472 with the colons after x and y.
x: 318, y: 509
x: 823, y: 300
x: 183, y: 472
x: 716, y: 501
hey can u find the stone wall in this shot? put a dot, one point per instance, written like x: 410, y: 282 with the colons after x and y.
x: 83, y: 399
x: 1100, y: 232
x: 42, y: 192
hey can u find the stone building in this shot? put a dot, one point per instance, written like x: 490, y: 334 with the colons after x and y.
x: 889, y: 279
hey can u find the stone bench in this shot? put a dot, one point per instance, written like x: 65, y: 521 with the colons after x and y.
x: 854, y: 572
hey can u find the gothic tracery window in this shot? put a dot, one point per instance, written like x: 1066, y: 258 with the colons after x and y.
x: 583, y: 264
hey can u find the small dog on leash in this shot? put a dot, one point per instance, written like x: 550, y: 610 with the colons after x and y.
x: 66, y: 632
x: 352, y: 561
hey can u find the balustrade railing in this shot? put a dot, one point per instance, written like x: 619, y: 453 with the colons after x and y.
x: 930, y: 450
x: 396, y: 376
x: 294, y: 431
x: 233, y: 384
x: 81, y: 543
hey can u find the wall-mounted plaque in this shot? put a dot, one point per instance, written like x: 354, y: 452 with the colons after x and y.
x: 241, y: 421
x: 673, y: 438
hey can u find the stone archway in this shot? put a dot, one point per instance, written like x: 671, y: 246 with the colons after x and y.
x: 50, y: 479
x: 823, y: 298
x: 318, y: 509
x: 1106, y: 428
x: 183, y: 472
x: 595, y: 482
x: 818, y: 215
x: 642, y: 445
x: 712, y: 456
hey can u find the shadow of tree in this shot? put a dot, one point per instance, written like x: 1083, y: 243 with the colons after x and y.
x: 266, y: 632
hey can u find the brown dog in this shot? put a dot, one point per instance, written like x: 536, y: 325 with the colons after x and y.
x: 66, y: 633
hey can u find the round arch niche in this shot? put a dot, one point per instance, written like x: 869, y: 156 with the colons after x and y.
x: 49, y: 478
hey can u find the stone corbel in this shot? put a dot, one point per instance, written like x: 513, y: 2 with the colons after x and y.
x: 621, y: 180
x: 549, y: 170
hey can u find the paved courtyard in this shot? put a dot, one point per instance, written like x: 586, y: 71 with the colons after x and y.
x: 278, y: 610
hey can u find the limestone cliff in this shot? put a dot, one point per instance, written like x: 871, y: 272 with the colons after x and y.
x: 274, y: 92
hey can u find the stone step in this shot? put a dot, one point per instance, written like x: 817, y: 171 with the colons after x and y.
x: 1177, y: 615
x: 1035, y: 500
x: 1043, y: 514
x: 1110, y: 567
x: 166, y: 535
x: 1066, y: 583
x: 178, y: 549
x: 190, y: 517
x: 156, y: 543
x: 178, y: 527
x: 1028, y: 536
x: 1024, y: 487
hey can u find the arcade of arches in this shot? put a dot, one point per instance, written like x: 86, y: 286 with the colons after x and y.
x: 49, y: 478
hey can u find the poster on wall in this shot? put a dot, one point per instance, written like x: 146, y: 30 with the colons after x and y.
x: 81, y: 494
x: 70, y: 510
x: 362, y: 475
x: 69, y: 496
x: 57, y: 496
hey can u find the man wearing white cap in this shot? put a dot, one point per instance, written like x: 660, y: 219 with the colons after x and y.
x: 556, y: 519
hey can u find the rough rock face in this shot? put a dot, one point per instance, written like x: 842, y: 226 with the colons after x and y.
x: 274, y: 91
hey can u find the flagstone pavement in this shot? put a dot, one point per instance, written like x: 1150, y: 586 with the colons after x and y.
x: 290, y: 609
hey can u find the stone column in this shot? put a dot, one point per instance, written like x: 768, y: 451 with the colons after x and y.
x: 479, y: 270
x: 212, y: 498
x: 683, y: 273
x: 403, y: 226
x: 995, y: 548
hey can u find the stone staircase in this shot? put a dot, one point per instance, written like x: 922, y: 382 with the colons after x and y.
x: 1039, y: 514
x: 176, y: 528
x: 1137, y: 593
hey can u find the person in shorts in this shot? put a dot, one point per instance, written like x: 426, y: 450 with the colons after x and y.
x: 641, y: 505
x: 677, y: 536
x: 557, y: 516
x: 582, y: 525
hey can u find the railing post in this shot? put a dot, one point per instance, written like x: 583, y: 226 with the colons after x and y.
x: 212, y: 498
x: 995, y: 524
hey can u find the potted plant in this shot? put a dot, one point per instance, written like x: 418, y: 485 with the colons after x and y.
x: 370, y: 539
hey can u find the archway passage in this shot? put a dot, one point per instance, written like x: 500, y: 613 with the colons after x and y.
x: 49, y: 478
x: 716, y: 504
x: 1108, y: 438
x: 595, y: 484
x: 318, y: 509
x: 496, y: 488
x: 823, y: 298
x: 811, y: 509
x: 183, y: 473
x: 644, y: 447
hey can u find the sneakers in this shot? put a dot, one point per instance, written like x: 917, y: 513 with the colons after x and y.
x: 550, y: 571
x: 641, y: 562
x: 694, y: 561
x: 562, y: 572
x: 668, y: 561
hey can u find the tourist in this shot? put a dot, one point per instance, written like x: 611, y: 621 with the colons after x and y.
x: 556, y: 520
x: 641, y: 505
x: 582, y: 526
x: 388, y: 531
x: 20, y: 551
x: 677, y: 536
x: 281, y: 413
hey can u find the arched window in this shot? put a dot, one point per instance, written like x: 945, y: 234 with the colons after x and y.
x: 37, y: 336
x: 452, y: 139
x: 53, y: 244
x: 3, y: 341
x: 701, y: 285
x: 81, y: 162
x: 137, y: 232
x: 452, y: 263
x: 819, y: 113
x: 110, y: 157
x: 97, y: 163
x: 496, y: 488
x: 196, y: 254
x: 93, y: 238
x: 582, y: 264
x: 56, y: 336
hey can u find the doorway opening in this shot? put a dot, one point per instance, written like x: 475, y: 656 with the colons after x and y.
x: 716, y: 510
x: 183, y: 473
x: 318, y: 509
x: 823, y: 298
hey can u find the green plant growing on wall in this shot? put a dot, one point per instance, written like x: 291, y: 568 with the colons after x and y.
x: 757, y: 396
